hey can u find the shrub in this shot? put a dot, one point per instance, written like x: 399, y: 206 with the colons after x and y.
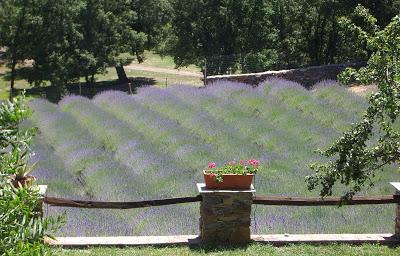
x: 374, y: 142
x: 22, y: 227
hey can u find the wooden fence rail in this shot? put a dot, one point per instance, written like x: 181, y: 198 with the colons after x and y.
x: 53, y: 201
x: 263, y: 200
x: 318, y: 201
x: 236, y: 209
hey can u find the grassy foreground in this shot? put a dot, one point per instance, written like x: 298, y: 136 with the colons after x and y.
x: 255, y: 249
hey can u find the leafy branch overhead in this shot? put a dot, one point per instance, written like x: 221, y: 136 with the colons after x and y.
x: 375, y: 141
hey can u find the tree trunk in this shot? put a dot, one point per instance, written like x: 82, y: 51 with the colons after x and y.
x: 122, y: 78
x: 12, y: 79
x: 92, y: 85
x: 15, y: 44
x: 87, y: 80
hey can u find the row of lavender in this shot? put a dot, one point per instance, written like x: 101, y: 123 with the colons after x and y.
x: 155, y: 144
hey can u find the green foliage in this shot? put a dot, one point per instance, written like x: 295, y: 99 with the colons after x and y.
x: 68, y: 40
x: 94, y: 35
x: 260, y: 35
x: 80, y: 38
x: 21, y: 226
x: 208, y: 28
x: 153, y: 19
x: 375, y: 141
x: 15, y: 143
x: 17, y: 22
x: 11, y: 114
x: 106, y: 32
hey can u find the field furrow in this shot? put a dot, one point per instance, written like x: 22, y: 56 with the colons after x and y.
x: 339, y: 98
x: 154, y: 145
x: 150, y: 168
x: 228, y: 140
x: 181, y: 145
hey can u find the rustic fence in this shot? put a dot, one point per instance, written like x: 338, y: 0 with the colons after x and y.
x: 262, y: 200
x: 225, y: 215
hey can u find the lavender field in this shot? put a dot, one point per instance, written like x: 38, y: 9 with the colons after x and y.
x: 119, y: 147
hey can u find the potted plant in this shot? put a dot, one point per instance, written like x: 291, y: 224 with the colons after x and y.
x: 22, y: 177
x: 15, y: 163
x: 233, y: 175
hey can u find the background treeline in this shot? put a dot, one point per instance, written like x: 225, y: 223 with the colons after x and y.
x: 265, y: 35
x: 72, y: 39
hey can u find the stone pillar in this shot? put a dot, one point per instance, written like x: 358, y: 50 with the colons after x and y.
x: 40, y: 207
x: 225, y: 215
x: 397, y: 219
x: 397, y: 227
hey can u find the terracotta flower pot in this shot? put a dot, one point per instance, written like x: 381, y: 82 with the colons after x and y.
x: 229, y: 181
x: 24, y: 182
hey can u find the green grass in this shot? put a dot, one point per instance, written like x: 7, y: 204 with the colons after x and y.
x: 254, y: 249
x: 5, y: 83
x: 155, y: 60
x: 160, y: 79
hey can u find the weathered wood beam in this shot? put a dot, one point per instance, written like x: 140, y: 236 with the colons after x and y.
x: 263, y: 200
x: 318, y: 201
x: 53, y: 201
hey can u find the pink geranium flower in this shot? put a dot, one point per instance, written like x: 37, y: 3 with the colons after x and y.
x: 254, y: 162
x: 232, y: 163
x: 212, y: 165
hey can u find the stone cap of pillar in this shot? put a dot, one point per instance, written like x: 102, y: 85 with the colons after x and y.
x: 42, y: 190
x: 203, y: 190
x: 396, y: 185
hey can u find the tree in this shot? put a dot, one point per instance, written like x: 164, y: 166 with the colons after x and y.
x: 375, y: 141
x: 107, y: 33
x: 154, y: 20
x: 83, y: 38
x: 16, y: 22
x: 211, y: 29
x: 257, y: 35
x: 310, y: 31
x: 53, y: 44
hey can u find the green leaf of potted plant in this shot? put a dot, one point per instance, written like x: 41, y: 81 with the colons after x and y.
x: 233, y: 175
x: 22, y: 177
x: 15, y: 164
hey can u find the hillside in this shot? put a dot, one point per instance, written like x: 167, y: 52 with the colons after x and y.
x: 154, y: 144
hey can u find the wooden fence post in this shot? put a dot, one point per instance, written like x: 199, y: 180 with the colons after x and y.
x: 40, y: 206
x: 225, y: 215
x: 397, y: 219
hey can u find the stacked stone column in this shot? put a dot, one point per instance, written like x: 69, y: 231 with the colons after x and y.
x: 397, y: 227
x: 225, y: 216
x: 397, y: 219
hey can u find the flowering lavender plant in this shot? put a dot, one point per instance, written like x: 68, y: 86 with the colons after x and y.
x: 240, y: 168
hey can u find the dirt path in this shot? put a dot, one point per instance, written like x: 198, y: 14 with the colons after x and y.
x: 139, y: 67
x: 363, y: 90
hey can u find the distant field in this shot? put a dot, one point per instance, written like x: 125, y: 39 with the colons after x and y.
x: 151, y: 60
x: 154, y: 144
x: 154, y: 60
